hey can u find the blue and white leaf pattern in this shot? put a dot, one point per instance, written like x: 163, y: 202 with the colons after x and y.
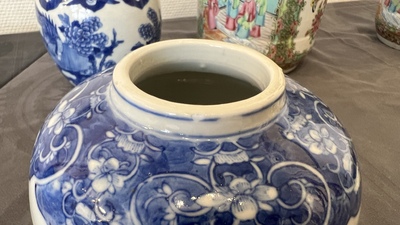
x: 150, y: 32
x: 84, y: 51
x: 49, y: 4
x: 93, y: 5
x: 95, y: 168
x: 78, y: 47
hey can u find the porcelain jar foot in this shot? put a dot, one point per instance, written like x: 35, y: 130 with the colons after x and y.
x: 85, y: 37
x: 282, y: 30
x: 110, y: 153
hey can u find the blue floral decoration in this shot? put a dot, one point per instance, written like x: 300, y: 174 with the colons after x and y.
x: 150, y: 32
x: 96, y: 168
x: 84, y: 38
x: 93, y: 5
x: 49, y: 4
x: 85, y: 50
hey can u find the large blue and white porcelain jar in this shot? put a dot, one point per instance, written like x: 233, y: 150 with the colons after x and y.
x: 85, y: 37
x: 111, y: 153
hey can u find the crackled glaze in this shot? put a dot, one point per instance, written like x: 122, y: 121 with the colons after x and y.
x: 111, y: 154
x: 85, y: 37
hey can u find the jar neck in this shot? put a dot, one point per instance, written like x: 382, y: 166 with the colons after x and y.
x: 201, y: 121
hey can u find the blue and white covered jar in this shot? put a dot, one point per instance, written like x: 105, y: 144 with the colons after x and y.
x: 110, y: 153
x: 85, y: 37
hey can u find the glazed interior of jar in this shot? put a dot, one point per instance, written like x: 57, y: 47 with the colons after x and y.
x: 199, y: 88
x: 201, y: 75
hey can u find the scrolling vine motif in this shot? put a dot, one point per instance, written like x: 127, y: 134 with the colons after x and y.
x: 295, y: 172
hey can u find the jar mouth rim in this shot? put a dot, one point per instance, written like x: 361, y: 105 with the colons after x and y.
x: 267, y: 75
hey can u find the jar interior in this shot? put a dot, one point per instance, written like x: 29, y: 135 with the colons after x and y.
x: 196, y: 87
x: 199, y: 73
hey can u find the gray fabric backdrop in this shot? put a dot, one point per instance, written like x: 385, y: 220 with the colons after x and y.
x: 356, y: 75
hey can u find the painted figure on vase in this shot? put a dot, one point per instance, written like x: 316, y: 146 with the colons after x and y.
x: 261, y: 24
x: 387, y: 23
x: 212, y: 12
x: 247, y: 22
x: 391, y: 14
x: 222, y: 3
x: 393, y: 5
x: 247, y: 14
x: 232, y: 12
x: 260, y: 18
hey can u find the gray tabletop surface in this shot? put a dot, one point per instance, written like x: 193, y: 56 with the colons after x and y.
x: 354, y: 73
x: 17, y: 51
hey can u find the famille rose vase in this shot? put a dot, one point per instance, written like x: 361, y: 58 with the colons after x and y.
x: 111, y: 153
x: 284, y: 30
x: 387, y: 22
x: 85, y: 37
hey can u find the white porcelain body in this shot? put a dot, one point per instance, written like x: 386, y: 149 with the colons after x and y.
x: 112, y: 153
x: 284, y: 30
x: 86, y: 37
x: 387, y: 23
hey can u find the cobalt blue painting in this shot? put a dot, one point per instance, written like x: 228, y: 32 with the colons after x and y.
x: 96, y: 167
x: 83, y: 47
